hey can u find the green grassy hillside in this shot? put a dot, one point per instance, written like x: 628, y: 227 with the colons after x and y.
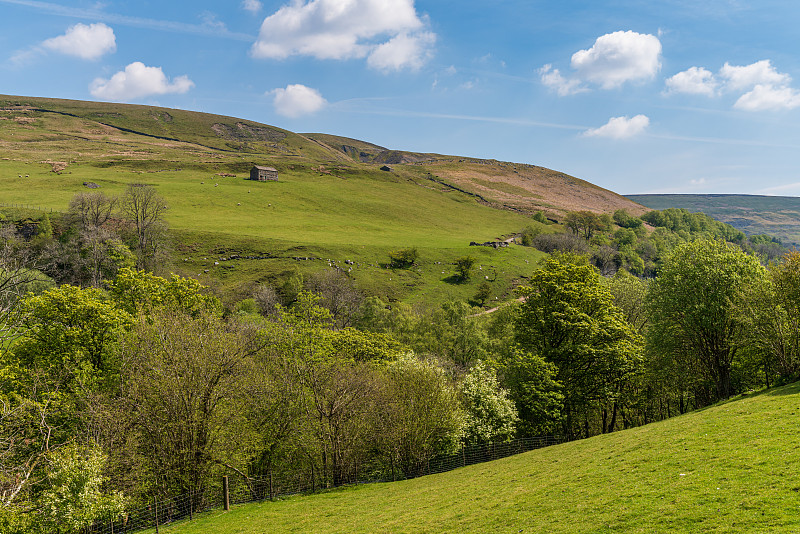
x: 333, y: 202
x: 729, y: 468
x: 752, y: 214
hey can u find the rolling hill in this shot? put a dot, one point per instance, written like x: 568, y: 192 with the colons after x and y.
x: 752, y: 214
x: 727, y: 468
x: 338, y: 200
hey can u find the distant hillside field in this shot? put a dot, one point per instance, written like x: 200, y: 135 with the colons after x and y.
x: 729, y: 468
x: 752, y: 214
x: 338, y: 200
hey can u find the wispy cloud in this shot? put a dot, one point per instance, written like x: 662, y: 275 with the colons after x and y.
x: 452, y: 116
x: 124, y: 20
x: 692, y: 186
x: 355, y: 106
x: 792, y: 189
x: 253, y: 6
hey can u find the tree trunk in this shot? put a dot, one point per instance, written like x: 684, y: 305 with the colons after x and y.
x: 613, y: 418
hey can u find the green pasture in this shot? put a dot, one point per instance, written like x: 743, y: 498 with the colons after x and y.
x: 730, y: 468
x: 358, y: 216
x: 325, y: 205
x: 303, y: 208
x: 429, y: 281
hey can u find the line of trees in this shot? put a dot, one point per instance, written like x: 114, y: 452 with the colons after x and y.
x: 124, y: 383
x: 639, y: 245
x: 145, y: 387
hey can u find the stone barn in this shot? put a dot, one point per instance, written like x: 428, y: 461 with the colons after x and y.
x: 263, y: 174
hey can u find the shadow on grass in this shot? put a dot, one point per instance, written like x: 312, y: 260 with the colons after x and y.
x: 787, y: 389
x: 792, y: 388
x: 454, y: 279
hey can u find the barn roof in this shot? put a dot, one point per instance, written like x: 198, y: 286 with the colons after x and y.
x: 261, y: 168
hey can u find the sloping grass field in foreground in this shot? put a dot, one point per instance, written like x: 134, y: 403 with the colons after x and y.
x: 734, y: 467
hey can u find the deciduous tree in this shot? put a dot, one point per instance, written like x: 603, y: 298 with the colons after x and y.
x: 419, y: 415
x: 569, y: 318
x: 144, y: 208
x: 181, y: 374
x: 490, y: 413
x: 691, y: 309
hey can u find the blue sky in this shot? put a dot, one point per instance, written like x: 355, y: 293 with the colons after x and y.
x: 671, y: 96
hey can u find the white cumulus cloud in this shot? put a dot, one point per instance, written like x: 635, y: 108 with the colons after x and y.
x: 297, y: 100
x: 403, y: 51
x: 553, y: 79
x: 389, y: 33
x: 695, y: 81
x: 748, y: 76
x: 760, y: 86
x: 620, y: 127
x: 138, y: 81
x: 253, y: 6
x: 619, y: 57
x: 768, y: 98
x: 84, y: 41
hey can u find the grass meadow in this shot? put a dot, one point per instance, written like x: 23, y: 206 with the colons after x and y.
x: 729, y: 468
x: 305, y: 214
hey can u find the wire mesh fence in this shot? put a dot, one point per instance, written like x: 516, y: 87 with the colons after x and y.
x: 238, y: 489
x: 32, y: 207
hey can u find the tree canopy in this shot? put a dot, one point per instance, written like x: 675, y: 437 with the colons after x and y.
x: 691, y: 308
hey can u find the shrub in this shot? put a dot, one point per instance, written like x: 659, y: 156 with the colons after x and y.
x: 464, y: 267
x: 550, y: 243
x: 404, y: 257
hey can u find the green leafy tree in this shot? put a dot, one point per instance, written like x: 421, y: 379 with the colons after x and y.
x: 625, y: 220
x: 629, y: 294
x: 586, y: 223
x: 102, y: 255
x: 291, y: 288
x: 74, y: 498
x: 45, y: 229
x: 690, y: 305
x: 64, y: 359
x: 490, y: 413
x: 770, y: 311
x: 404, y: 257
x: 568, y: 317
x: 464, y: 267
x: 785, y: 277
x: 527, y: 234
x: 536, y: 393
x: 483, y: 293
x: 337, y: 371
x: 69, y: 328
x: 419, y: 415
x: 139, y: 291
x: 540, y: 217
x: 451, y: 332
x: 182, y: 375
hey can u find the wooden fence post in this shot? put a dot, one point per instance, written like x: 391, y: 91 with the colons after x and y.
x: 225, y: 493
